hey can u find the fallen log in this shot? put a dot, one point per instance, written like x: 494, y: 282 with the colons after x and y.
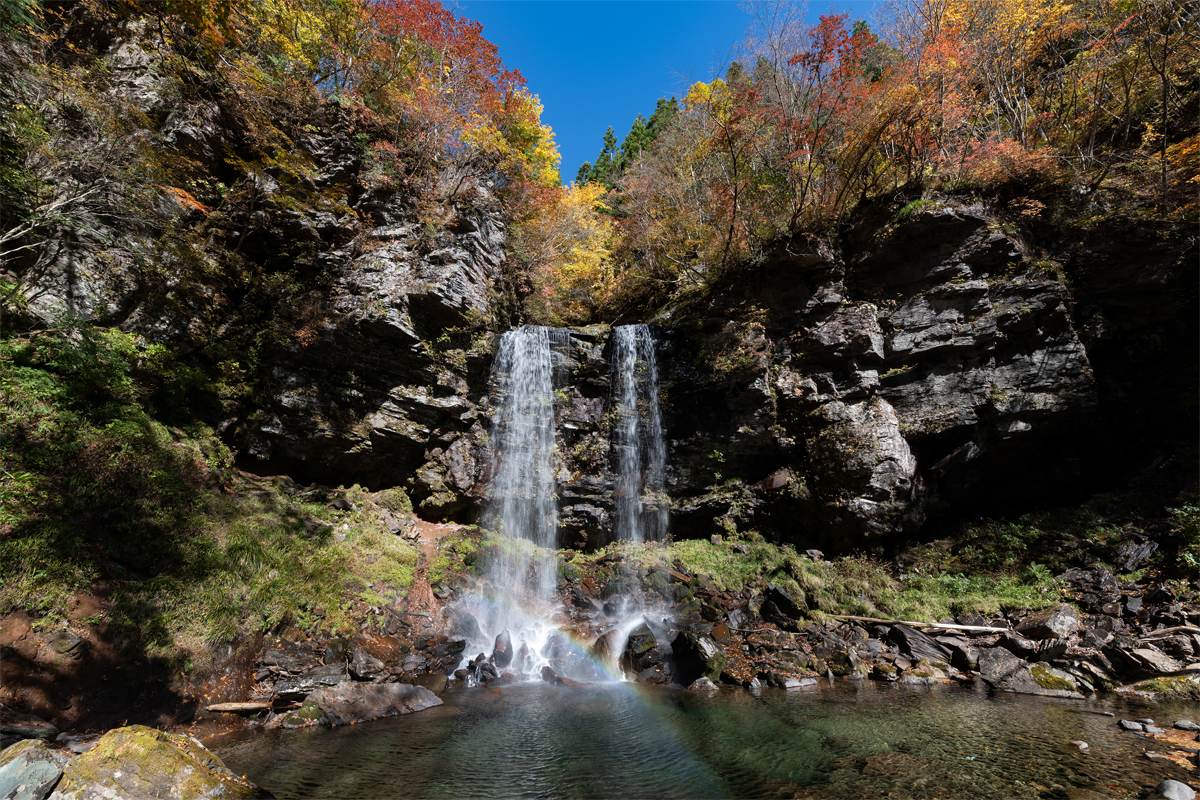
x: 1165, y: 632
x: 940, y: 625
x: 238, y: 708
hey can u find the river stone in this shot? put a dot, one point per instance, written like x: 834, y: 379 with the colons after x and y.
x: 1186, y: 725
x: 1018, y: 645
x: 436, y: 682
x: 642, y: 650
x: 1174, y: 790
x: 918, y: 645
x: 309, y: 681
x: 502, y: 652
x: 143, y: 762
x: 1004, y: 672
x: 702, y: 684
x: 372, y: 655
x: 29, y: 770
x: 350, y: 702
x: 1129, y: 725
x: 1057, y: 622
x: 25, y: 726
x: 696, y: 655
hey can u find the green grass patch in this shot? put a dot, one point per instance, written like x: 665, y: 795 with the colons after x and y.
x: 855, y: 585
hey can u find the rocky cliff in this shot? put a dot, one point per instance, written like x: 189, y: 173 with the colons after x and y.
x: 940, y: 357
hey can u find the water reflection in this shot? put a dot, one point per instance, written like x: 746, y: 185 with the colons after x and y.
x: 617, y: 740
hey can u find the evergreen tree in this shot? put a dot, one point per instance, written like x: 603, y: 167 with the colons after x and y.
x: 585, y: 169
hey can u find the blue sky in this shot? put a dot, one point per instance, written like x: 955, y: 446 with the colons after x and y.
x: 596, y: 63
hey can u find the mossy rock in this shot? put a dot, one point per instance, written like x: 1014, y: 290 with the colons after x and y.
x: 307, y: 715
x: 1051, y: 678
x: 395, y: 500
x: 1177, y: 687
x: 143, y: 762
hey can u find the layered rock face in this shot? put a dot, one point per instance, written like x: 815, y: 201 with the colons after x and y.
x: 387, y: 393
x: 930, y: 366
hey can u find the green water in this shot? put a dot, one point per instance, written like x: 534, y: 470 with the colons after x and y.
x: 617, y: 740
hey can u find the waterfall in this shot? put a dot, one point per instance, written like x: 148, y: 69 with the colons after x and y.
x: 641, y: 506
x: 521, y: 504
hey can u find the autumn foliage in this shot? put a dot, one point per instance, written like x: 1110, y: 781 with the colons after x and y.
x: 1099, y: 97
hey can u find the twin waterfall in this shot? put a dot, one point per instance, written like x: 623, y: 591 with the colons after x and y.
x: 518, y: 606
x: 521, y: 501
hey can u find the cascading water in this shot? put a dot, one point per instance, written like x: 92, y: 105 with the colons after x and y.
x: 640, y: 504
x: 521, y: 505
x: 516, y: 612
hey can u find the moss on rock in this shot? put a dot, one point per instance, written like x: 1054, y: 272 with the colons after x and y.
x: 137, y: 761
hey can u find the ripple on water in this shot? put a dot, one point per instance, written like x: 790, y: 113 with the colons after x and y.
x: 616, y: 740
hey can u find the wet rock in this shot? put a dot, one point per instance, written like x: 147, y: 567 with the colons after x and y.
x: 1129, y: 725
x: 142, y: 762
x: 29, y: 770
x: 351, y: 702
x: 642, y: 650
x: 435, y: 682
x: 502, y: 652
x: 550, y: 676
x: 309, y: 681
x: 1057, y: 622
x: 885, y: 672
x: 1152, y: 729
x: 923, y: 673
x: 25, y: 726
x: 1186, y: 725
x: 918, y: 645
x: 463, y: 624
x: 702, y: 684
x: 696, y: 655
x: 1003, y: 671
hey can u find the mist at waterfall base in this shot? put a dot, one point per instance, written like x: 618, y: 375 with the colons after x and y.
x: 515, y: 616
